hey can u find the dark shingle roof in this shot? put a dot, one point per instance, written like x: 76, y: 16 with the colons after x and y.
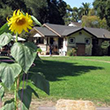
x: 61, y: 28
x: 53, y: 30
x: 67, y: 32
x: 99, y: 33
x: 45, y: 31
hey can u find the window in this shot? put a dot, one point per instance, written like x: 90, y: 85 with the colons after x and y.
x: 87, y: 41
x: 72, y: 40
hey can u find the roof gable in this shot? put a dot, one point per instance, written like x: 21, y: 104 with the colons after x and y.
x: 63, y: 30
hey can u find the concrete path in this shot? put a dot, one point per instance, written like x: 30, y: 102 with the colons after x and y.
x: 53, y: 108
x: 102, y: 108
x: 46, y: 108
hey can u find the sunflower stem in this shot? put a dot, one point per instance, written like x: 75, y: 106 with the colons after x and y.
x: 16, y: 40
x: 15, y: 95
x: 16, y: 84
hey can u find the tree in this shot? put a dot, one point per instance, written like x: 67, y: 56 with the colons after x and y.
x: 94, y: 22
x: 68, y: 15
x: 103, y: 9
x: 99, y: 6
x: 43, y: 10
x: 84, y: 9
x: 92, y: 12
x: 75, y: 16
x: 56, y: 11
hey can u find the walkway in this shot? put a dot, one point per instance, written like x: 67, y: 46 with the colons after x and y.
x: 53, y: 108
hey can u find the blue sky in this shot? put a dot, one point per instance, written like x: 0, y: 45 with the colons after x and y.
x: 78, y: 3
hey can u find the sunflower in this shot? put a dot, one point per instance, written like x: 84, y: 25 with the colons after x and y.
x: 19, y: 22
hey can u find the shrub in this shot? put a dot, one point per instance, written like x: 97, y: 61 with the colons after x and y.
x: 72, y: 52
x: 39, y: 50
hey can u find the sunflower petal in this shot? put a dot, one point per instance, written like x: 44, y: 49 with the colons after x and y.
x: 14, y: 13
x: 18, y: 12
x: 19, y: 22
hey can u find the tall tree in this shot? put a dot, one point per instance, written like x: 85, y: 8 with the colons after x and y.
x: 38, y: 8
x: 103, y: 9
x: 99, y: 6
x: 84, y: 9
x: 68, y: 15
x: 94, y: 22
x: 56, y: 11
x: 51, y: 11
x: 75, y: 16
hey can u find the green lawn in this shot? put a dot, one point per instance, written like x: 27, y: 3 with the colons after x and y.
x: 76, y: 77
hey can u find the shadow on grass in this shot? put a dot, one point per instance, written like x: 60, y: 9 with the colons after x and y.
x: 53, y: 70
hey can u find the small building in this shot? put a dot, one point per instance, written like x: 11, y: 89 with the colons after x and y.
x: 64, y: 38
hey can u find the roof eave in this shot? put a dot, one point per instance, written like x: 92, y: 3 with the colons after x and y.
x: 52, y: 30
x: 39, y: 32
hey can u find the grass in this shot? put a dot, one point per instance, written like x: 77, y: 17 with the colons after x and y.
x: 76, y: 78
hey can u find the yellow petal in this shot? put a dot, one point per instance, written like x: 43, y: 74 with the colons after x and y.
x: 14, y: 13
x: 18, y: 12
x: 19, y: 22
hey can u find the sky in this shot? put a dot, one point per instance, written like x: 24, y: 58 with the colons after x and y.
x: 78, y: 3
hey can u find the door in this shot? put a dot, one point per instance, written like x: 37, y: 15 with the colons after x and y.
x: 80, y: 49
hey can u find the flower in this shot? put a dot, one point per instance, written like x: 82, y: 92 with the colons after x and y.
x: 19, y: 22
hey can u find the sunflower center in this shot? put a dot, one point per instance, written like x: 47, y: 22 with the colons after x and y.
x: 20, y: 21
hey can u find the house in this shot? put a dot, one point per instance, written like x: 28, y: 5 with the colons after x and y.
x: 64, y: 38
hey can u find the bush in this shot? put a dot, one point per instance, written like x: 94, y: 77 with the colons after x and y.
x: 39, y: 50
x: 72, y: 52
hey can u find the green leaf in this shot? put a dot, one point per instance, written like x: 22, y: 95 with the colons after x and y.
x: 33, y: 87
x: 5, y: 38
x: 9, y: 105
x: 24, y: 54
x: 36, y: 21
x: 4, y: 28
x: 31, y: 46
x: 8, y: 73
x: 27, y: 96
x: 23, y: 107
x: 40, y: 82
x: 1, y: 91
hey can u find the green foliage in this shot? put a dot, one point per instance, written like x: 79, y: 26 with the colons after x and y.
x: 84, y: 9
x: 4, y: 28
x: 39, y: 50
x: 105, y: 44
x: 39, y: 81
x: 94, y: 22
x: 104, y: 47
x: 24, y: 54
x: 102, y: 8
x: 12, y: 74
x: 1, y: 91
x: 9, y: 105
x: 27, y: 96
x: 5, y: 38
x: 75, y: 14
x: 43, y: 10
x: 72, y: 52
x: 36, y: 21
x: 99, y: 6
x: 8, y: 73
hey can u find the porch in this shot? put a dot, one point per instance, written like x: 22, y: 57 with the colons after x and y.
x: 44, y: 44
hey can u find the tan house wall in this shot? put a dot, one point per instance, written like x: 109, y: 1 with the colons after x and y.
x: 80, y: 38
